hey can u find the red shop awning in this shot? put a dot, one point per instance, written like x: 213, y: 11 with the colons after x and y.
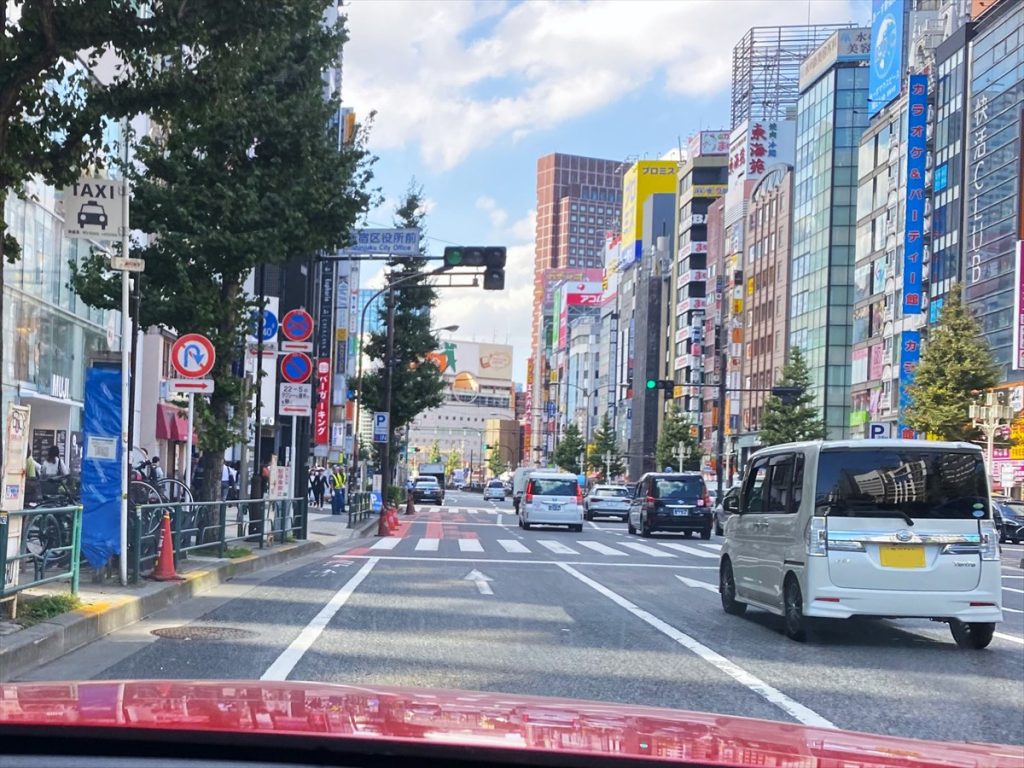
x: 172, y: 423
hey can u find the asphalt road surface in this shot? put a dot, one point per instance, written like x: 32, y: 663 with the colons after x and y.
x: 462, y: 598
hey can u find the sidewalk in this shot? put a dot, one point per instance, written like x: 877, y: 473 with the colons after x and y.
x: 109, y: 607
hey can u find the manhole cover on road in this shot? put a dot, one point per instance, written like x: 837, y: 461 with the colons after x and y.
x: 203, y: 633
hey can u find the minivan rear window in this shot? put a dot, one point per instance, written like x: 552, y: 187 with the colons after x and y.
x: 678, y: 488
x: 621, y: 493
x: 920, y: 483
x: 552, y: 486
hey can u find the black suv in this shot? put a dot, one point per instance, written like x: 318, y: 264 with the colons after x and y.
x: 676, y: 502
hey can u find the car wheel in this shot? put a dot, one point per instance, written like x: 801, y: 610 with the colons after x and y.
x: 578, y: 528
x: 718, y: 529
x: 629, y: 526
x: 727, y: 589
x: 645, y: 527
x: 705, y: 534
x: 587, y: 515
x: 972, y: 635
x: 1002, y: 535
x: 794, y: 621
x: 525, y: 526
x: 688, y: 534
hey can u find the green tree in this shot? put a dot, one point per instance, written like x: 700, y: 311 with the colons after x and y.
x: 243, y: 172
x: 453, y: 462
x: 604, y: 442
x: 675, y: 430
x: 955, y: 362
x: 798, y: 419
x: 435, y: 452
x: 53, y: 112
x: 569, y: 449
x: 416, y: 383
x: 495, y: 462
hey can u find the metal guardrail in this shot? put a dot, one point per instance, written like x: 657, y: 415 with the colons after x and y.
x: 203, y: 525
x: 358, y: 507
x: 50, y: 540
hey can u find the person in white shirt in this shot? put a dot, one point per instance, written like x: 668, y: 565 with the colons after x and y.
x: 156, y: 472
x: 53, y: 465
x: 227, y: 481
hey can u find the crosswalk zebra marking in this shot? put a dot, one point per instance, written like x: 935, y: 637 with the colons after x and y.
x: 388, y: 542
x: 513, y: 546
x: 470, y: 545
x: 557, y: 547
x: 601, y: 548
x: 644, y: 549
x: 688, y: 550
x: 427, y: 545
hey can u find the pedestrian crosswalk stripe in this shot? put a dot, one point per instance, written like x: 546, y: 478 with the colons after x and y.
x: 557, y: 547
x: 711, y: 545
x: 688, y: 550
x: 470, y: 545
x: 511, y: 545
x: 646, y: 550
x: 427, y: 545
x: 388, y: 542
x: 603, y: 549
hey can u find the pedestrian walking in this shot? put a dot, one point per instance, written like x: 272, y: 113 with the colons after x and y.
x: 337, y: 490
x: 53, y: 465
x: 319, y: 484
x: 227, y: 481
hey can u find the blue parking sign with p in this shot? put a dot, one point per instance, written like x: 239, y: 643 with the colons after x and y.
x: 381, y: 424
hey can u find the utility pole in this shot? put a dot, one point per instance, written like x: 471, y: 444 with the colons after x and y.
x: 682, y: 453
x: 256, y: 486
x: 989, y: 418
x: 385, y: 456
x: 607, y: 466
x: 723, y: 361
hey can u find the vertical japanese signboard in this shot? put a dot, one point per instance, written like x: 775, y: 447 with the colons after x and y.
x: 324, y: 333
x: 913, y: 238
x: 13, y: 498
x: 910, y: 356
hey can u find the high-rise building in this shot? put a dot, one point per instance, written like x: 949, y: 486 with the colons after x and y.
x: 831, y: 116
x: 578, y: 200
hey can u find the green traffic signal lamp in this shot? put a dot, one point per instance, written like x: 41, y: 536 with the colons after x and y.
x: 652, y: 383
x: 453, y: 257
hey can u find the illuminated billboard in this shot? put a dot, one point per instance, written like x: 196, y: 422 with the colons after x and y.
x: 886, y: 54
x: 645, y: 178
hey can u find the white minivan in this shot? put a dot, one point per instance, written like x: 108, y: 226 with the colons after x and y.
x: 876, y: 528
x: 551, y: 498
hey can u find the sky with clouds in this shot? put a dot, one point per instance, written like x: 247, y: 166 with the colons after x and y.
x: 468, y: 95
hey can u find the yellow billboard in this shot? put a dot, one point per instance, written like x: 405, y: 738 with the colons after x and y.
x: 645, y: 178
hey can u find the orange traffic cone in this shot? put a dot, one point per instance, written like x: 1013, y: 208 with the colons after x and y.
x: 164, y: 570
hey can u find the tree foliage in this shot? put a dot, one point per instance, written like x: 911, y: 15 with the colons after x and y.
x: 676, y: 430
x: 801, y: 419
x: 604, y: 442
x: 955, y: 362
x: 243, y: 171
x: 416, y: 383
x: 495, y: 462
x: 452, y: 463
x: 434, y: 454
x: 569, y: 449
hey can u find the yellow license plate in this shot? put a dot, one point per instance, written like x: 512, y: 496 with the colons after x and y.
x: 901, y: 556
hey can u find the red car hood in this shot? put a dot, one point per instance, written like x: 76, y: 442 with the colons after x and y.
x: 482, y: 720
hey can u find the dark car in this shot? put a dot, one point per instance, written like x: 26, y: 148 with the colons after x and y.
x: 427, y: 489
x: 721, y: 513
x: 674, y: 502
x: 1008, y: 515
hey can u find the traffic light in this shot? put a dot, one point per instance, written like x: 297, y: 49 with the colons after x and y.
x: 491, y: 258
x: 666, y: 384
x: 788, y: 395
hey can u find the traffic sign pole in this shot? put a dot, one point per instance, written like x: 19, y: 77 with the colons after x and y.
x: 191, y: 426
x: 126, y: 370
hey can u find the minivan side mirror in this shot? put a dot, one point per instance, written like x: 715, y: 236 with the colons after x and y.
x: 731, y: 504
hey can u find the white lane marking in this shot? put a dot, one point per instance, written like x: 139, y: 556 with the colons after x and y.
x: 1012, y: 576
x: 480, y: 580
x: 688, y: 550
x: 594, y: 525
x: 697, y: 583
x: 388, y: 542
x: 753, y: 683
x: 1011, y: 638
x: 645, y: 549
x: 1011, y: 610
x: 517, y: 561
x: 557, y: 547
x: 602, y: 548
x: 470, y: 545
x: 1014, y: 589
x: 285, y: 663
x: 711, y: 545
x: 427, y: 545
x: 511, y: 545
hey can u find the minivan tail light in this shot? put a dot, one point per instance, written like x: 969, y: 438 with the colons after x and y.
x: 579, y: 495
x: 528, y: 496
x: 817, y: 537
x: 989, y: 541
x: 649, y: 502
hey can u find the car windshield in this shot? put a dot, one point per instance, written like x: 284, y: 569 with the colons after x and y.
x: 914, y: 483
x: 677, y: 488
x: 473, y: 339
x: 552, y: 486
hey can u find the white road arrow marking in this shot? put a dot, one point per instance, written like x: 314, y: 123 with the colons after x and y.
x: 480, y: 579
x: 698, y: 584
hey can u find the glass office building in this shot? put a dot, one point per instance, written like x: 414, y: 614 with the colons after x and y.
x: 831, y: 116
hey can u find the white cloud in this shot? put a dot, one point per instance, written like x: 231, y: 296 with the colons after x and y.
x: 495, y: 212
x: 440, y: 85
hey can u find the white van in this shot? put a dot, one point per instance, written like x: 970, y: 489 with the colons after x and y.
x: 552, y: 498
x: 879, y: 528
